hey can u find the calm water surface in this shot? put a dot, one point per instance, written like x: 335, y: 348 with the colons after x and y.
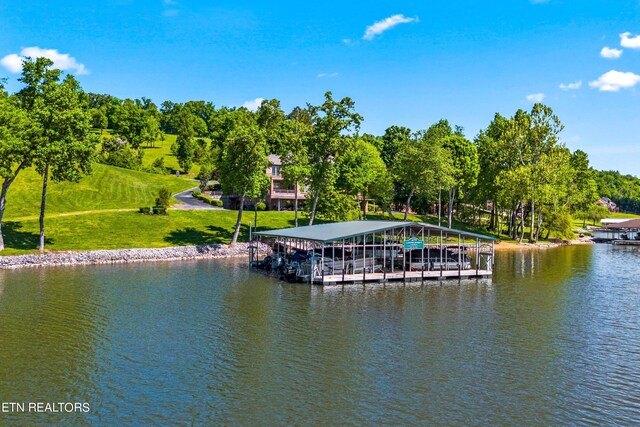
x: 553, y: 339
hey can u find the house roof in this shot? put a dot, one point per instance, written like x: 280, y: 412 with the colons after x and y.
x: 632, y: 223
x: 345, y: 230
x: 274, y: 160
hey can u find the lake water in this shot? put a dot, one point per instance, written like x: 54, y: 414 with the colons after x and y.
x: 553, y: 339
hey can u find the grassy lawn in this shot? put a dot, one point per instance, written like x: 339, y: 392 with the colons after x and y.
x: 107, y: 188
x: 111, y: 230
x: 577, y: 223
x: 163, y: 149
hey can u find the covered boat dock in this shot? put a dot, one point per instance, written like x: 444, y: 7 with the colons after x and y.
x: 373, y: 251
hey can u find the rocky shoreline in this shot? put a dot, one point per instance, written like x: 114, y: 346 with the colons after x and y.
x: 116, y: 256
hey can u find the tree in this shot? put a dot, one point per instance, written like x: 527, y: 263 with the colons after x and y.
x: 422, y: 165
x: 363, y: 174
x: 394, y: 137
x: 135, y: 124
x: 584, y: 192
x: 65, y: 146
x: 464, y: 155
x: 597, y: 213
x: 99, y: 119
x: 242, y: 166
x: 185, y: 144
x: 164, y: 198
x: 15, y: 147
x: 293, y: 153
x: 331, y: 121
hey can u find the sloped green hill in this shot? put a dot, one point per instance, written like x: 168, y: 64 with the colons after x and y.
x: 107, y: 188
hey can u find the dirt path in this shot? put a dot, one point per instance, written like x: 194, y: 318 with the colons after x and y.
x: 75, y: 213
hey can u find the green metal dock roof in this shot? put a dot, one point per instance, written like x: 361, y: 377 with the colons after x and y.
x: 344, y: 230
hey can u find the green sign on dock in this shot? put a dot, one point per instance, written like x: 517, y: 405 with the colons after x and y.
x: 413, y: 243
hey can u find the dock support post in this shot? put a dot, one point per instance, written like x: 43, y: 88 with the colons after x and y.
x: 477, y: 256
x: 322, y: 263
x: 364, y: 258
x: 404, y: 255
x: 384, y: 255
x: 343, y: 262
x: 459, y: 257
x: 422, y: 257
x: 441, y: 253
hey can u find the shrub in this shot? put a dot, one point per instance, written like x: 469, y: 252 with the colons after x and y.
x: 146, y: 211
x: 196, y: 193
x: 158, y: 163
x: 216, y: 202
x: 164, y: 198
x: 159, y: 211
x: 117, y: 152
x: 261, y: 206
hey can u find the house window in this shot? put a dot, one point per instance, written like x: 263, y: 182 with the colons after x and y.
x: 275, y: 170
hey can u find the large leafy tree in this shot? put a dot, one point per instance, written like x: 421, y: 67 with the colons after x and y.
x: 464, y: 155
x: 292, y: 134
x: 363, y: 174
x: 186, y: 145
x: 135, y: 123
x: 16, y: 135
x: 331, y: 122
x: 242, y: 166
x: 65, y: 147
x: 423, y: 165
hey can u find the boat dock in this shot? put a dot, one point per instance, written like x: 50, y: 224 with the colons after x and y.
x: 373, y: 251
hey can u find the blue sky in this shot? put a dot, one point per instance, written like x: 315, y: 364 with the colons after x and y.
x: 407, y: 63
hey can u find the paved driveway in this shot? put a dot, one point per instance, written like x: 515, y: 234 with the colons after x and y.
x: 188, y: 202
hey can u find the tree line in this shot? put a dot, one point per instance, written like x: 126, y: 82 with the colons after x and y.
x: 514, y: 176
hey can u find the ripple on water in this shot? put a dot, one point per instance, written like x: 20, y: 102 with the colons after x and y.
x: 553, y: 339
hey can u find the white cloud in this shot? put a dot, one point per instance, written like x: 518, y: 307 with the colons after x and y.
x: 62, y: 61
x: 323, y: 75
x: 613, y: 81
x: 380, y: 27
x: 610, y: 53
x: 12, y: 62
x: 253, y: 104
x: 535, y: 97
x: 630, y: 41
x: 571, y: 86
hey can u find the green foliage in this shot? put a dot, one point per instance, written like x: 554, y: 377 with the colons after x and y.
x: 145, y: 211
x: 597, y: 212
x: 244, y: 162
x: 216, y: 202
x: 159, y: 210
x: 134, y: 123
x: 185, y: 150
x: 624, y: 190
x: 196, y: 193
x: 99, y: 119
x: 261, y: 206
x: 331, y: 122
x: 164, y: 198
x: 204, y: 176
x: 117, y: 152
x: 392, y: 140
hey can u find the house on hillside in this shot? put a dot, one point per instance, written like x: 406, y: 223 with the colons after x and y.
x: 627, y: 230
x: 608, y: 203
x: 279, y: 196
